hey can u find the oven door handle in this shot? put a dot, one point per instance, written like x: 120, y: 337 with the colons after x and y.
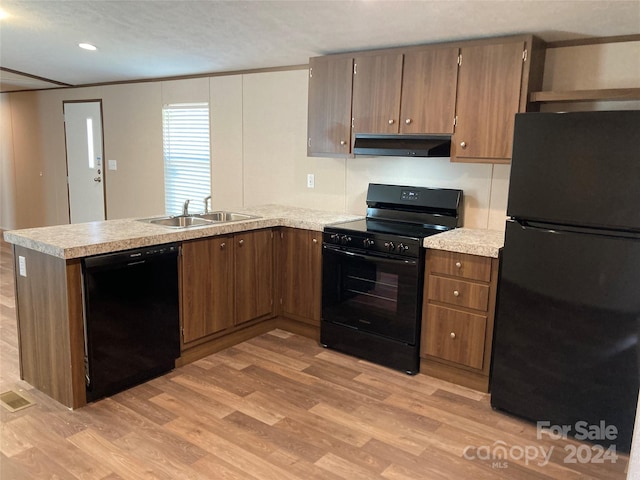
x: 371, y: 258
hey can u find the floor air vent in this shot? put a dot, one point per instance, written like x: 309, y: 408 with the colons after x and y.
x: 13, y: 401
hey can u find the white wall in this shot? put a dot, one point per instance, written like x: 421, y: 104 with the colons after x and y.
x: 258, y: 132
x: 484, y: 185
x: 227, y: 189
x: 274, y: 146
x: 7, y: 165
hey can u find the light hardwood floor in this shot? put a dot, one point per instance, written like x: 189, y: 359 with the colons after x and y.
x: 276, y: 407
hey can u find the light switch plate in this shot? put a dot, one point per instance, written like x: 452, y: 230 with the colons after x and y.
x: 113, y: 165
x: 311, y: 180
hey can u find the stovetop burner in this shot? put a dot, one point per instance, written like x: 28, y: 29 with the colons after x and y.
x: 373, y: 226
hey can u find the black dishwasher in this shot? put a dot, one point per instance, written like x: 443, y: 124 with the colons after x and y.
x: 131, y: 319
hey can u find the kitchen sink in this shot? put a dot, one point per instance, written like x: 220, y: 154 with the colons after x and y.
x: 179, y: 222
x: 225, y: 216
x: 197, y: 219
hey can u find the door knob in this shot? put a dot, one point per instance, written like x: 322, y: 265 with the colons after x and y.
x: 97, y: 179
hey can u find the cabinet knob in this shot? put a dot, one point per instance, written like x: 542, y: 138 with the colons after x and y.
x: 452, y: 335
x: 222, y: 245
x: 463, y: 144
x: 391, y: 121
x: 456, y: 293
x: 315, y: 240
x: 342, y: 142
x: 458, y: 265
x: 240, y: 242
x: 407, y: 121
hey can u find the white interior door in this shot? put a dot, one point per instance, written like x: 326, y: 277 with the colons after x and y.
x: 85, y: 169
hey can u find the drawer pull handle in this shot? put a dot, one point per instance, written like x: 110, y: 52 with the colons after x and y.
x: 458, y: 265
x: 456, y: 293
x: 452, y: 335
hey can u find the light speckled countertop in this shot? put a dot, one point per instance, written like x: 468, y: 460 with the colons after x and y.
x: 85, y: 239
x: 485, y: 243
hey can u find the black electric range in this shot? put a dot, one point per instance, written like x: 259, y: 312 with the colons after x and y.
x: 373, y: 273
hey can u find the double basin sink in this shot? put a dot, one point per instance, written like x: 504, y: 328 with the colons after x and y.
x: 198, y: 219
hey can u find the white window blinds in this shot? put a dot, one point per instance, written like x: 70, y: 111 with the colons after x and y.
x: 187, y: 159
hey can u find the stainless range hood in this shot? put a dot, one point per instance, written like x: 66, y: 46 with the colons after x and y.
x: 402, y: 145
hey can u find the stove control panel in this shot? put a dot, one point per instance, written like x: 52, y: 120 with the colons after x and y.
x: 338, y: 239
x: 378, y: 243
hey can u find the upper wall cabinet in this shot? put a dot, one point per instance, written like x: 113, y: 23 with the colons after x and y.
x: 480, y: 85
x: 329, y: 121
x: 410, y: 93
x: 429, y: 90
x: 489, y: 81
x: 376, y: 93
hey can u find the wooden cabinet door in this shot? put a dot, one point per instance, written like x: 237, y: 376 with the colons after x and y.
x: 376, y: 93
x: 489, y: 84
x: 429, y: 84
x: 455, y: 336
x: 301, y: 256
x: 329, y: 115
x: 253, y: 275
x: 207, y: 287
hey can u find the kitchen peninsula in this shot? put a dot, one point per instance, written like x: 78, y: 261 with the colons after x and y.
x: 49, y: 298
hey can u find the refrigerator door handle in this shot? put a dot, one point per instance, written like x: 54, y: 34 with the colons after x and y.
x: 556, y: 228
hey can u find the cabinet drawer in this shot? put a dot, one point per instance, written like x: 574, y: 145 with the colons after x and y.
x: 455, y: 336
x: 460, y: 265
x: 459, y: 292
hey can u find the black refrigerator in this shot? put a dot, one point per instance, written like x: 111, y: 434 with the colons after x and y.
x: 566, y: 349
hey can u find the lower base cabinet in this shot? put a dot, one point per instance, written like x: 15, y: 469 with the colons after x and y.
x: 301, y: 268
x: 226, y: 281
x: 457, y: 317
x: 206, y: 287
x: 254, y: 275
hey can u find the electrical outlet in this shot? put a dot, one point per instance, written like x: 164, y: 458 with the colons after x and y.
x: 22, y: 266
x: 311, y: 180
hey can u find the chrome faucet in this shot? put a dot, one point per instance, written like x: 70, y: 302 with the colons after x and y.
x: 185, y: 208
x: 207, y: 199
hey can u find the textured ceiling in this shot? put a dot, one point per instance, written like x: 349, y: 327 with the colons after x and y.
x: 153, y: 38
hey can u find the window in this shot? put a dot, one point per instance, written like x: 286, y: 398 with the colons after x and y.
x: 187, y: 158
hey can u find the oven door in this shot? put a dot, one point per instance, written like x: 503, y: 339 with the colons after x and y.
x: 377, y: 294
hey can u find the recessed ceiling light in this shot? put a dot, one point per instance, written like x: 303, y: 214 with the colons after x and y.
x: 87, y: 46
